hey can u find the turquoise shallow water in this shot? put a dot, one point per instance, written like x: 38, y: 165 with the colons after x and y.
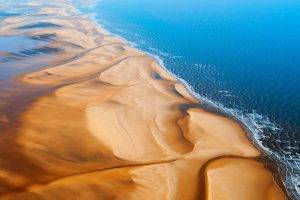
x: 242, y: 57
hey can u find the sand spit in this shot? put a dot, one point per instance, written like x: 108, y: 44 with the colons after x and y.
x: 117, y: 126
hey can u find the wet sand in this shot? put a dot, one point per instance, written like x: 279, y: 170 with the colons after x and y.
x: 113, y: 124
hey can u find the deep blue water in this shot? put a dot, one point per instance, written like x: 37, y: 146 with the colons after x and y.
x: 242, y: 55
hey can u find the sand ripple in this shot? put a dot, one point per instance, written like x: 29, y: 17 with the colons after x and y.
x: 115, y: 125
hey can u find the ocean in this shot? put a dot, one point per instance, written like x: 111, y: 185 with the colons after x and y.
x: 239, y: 57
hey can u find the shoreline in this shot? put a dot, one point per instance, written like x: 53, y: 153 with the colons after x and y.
x: 108, y: 79
x: 267, y: 157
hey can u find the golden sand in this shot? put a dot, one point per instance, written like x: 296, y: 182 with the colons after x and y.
x: 117, y: 126
x: 242, y: 175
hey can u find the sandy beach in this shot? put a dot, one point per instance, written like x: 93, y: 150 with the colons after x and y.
x: 111, y: 123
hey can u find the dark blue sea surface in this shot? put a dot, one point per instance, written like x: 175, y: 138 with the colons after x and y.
x: 242, y: 57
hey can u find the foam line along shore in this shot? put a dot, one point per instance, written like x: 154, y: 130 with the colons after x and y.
x: 110, y: 122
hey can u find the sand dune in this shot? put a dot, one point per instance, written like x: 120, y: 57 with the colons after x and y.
x: 117, y: 126
x: 241, y: 175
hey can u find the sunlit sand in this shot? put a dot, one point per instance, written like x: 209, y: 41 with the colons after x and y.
x: 116, y: 125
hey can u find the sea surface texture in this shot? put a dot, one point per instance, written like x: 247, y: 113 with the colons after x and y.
x: 242, y: 58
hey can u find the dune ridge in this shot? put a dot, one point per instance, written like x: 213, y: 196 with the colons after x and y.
x: 115, y: 125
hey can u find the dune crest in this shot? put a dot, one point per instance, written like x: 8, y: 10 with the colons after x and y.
x: 115, y: 125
